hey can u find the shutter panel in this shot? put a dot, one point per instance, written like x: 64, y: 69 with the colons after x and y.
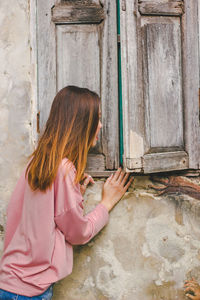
x: 160, y: 85
x: 77, y: 45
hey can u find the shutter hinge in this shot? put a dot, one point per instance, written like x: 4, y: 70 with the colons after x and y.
x: 38, y: 122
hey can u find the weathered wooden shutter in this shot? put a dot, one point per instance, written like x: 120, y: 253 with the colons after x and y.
x: 159, y: 41
x: 77, y: 45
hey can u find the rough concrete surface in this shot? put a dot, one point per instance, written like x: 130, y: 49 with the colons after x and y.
x: 150, y: 246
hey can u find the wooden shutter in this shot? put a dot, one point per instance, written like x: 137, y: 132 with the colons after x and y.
x: 160, y: 84
x: 77, y: 45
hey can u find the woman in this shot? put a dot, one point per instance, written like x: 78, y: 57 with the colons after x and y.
x: 45, y: 214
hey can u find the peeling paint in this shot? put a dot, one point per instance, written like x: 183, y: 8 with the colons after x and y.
x: 111, y: 278
x: 136, y: 145
x: 170, y: 243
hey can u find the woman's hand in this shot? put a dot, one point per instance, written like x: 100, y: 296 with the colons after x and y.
x: 86, y: 180
x: 114, y: 188
x: 192, y: 289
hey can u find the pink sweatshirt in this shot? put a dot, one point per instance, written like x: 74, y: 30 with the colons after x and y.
x: 41, y: 229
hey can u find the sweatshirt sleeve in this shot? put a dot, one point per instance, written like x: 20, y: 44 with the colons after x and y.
x: 77, y: 228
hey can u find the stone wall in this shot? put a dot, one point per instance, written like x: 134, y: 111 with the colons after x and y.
x: 151, y: 244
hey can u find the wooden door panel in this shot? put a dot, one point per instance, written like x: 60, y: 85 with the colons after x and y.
x: 78, y: 56
x: 162, y: 82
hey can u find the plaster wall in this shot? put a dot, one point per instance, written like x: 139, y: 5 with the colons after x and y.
x: 149, y: 248
x: 151, y: 244
x: 15, y: 96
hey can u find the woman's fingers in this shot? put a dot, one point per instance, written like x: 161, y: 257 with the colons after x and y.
x: 192, y: 280
x: 190, y: 289
x: 88, y: 179
x: 191, y: 297
x: 117, y: 173
x: 110, y: 178
x: 121, y: 178
x: 85, y: 183
x: 125, y: 178
x: 128, y: 184
x: 91, y: 179
x: 192, y: 284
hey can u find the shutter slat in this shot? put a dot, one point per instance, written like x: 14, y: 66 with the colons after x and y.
x: 155, y: 8
x: 77, y: 14
x: 162, y: 162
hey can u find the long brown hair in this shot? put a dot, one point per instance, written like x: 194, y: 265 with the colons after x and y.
x: 69, y: 132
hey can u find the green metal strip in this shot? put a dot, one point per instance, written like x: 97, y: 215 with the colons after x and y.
x: 121, y: 148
